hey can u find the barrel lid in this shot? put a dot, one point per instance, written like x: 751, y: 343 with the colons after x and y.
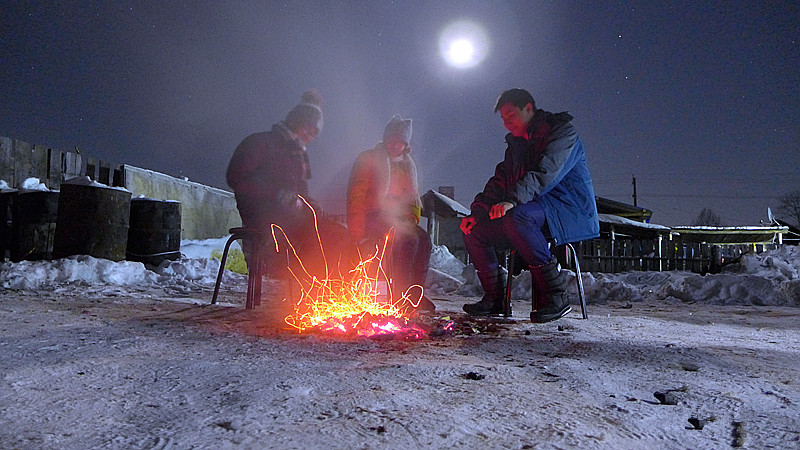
x: 147, y: 199
x: 86, y: 181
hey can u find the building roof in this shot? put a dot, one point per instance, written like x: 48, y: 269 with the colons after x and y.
x: 637, y: 213
x: 730, y: 235
x: 442, y: 205
x: 620, y: 225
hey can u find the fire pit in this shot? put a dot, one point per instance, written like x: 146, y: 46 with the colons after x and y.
x: 359, y: 304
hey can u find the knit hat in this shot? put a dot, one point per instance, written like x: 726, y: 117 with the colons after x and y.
x: 398, y: 127
x: 308, y: 112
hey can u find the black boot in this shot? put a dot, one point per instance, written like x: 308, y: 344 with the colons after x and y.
x: 549, y: 286
x: 494, y: 284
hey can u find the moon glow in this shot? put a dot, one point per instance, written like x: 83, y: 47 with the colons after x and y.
x: 463, y: 44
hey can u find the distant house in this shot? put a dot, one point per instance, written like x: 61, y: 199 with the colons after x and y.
x: 444, y: 219
x: 619, y: 209
x: 747, y: 235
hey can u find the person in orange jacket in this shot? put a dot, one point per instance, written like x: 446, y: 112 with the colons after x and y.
x: 383, y: 194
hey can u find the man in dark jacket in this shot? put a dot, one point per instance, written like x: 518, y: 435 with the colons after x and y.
x: 268, y: 173
x: 543, y: 181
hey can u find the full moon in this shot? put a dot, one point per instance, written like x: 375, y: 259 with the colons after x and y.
x: 463, y: 44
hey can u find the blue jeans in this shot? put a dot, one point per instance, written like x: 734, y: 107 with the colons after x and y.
x: 520, y: 228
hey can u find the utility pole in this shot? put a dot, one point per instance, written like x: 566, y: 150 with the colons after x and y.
x: 634, y: 190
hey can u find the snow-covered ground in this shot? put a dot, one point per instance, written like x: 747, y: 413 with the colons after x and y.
x: 101, y: 354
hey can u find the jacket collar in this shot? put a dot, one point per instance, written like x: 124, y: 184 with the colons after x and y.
x: 382, y: 148
x: 288, y: 136
x: 536, y: 128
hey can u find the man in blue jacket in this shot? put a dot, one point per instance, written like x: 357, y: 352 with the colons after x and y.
x: 543, y: 181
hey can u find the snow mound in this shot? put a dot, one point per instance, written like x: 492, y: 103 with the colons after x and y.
x: 769, y: 278
x: 74, y: 269
x: 444, y: 261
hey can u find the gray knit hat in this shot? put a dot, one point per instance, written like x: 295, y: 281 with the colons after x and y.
x: 398, y: 127
x: 308, y: 112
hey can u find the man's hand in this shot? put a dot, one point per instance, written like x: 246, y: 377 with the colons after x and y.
x: 500, y: 209
x: 467, y: 223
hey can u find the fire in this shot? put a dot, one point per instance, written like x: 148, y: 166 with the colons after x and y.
x: 360, y: 303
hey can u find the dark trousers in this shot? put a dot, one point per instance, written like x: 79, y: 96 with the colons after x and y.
x: 408, y: 252
x: 520, y: 228
x: 322, y: 252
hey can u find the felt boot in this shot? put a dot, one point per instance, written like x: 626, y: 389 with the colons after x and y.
x: 494, y: 284
x: 549, y: 292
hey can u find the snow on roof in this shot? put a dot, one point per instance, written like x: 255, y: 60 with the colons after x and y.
x: 730, y: 235
x: 458, y: 208
x: 715, y: 230
x: 614, y: 219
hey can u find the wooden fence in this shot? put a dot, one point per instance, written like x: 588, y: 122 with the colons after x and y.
x: 631, y: 254
x: 20, y: 160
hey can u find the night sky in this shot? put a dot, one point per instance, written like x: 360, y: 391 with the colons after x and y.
x: 698, y: 100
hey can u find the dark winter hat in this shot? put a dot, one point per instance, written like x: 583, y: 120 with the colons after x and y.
x: 308, y: 112
x: 398, y: 127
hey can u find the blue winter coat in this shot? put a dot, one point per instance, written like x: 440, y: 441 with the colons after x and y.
x: 551, y: 169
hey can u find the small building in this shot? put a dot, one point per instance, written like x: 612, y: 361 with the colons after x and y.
x: 444, y: 221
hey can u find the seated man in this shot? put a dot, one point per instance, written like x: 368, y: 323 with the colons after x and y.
x: 543, y: 181
x: 268, y: 173
x: 383, y: 193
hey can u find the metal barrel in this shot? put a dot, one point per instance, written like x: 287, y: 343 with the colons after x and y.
x: 92, y: 220
x: 155, y: 231
x: 33, y: 225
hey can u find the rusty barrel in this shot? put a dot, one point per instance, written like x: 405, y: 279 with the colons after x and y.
x: 33, y: 225
x: 155, y: 231
x: 92, y: 220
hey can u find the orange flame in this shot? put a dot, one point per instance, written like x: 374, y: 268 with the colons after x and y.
x: 354, y: 303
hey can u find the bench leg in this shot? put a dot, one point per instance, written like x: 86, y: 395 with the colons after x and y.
x: 254, y: 281
x: 579, y: 281
x: 507, y: 302
x: 222, y: 268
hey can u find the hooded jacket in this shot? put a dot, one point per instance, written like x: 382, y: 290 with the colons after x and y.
x: 267, y: 172
x: 374, y: 196
x: 549, y: 168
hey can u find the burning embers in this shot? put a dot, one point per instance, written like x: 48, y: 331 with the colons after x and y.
x: 360, y: 303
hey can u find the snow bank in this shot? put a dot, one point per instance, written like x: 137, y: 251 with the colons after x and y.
x: 75, y: 269
x: 770, y: 278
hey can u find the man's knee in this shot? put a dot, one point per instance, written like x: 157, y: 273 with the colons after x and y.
x: 523, y: 221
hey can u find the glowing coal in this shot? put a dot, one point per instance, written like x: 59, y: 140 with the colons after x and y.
x: 358, y: 304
